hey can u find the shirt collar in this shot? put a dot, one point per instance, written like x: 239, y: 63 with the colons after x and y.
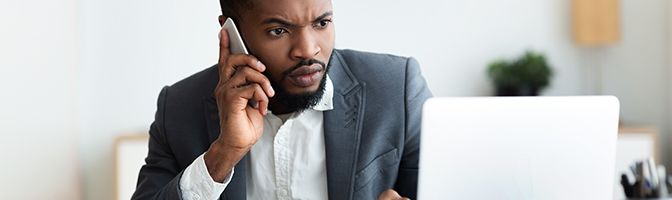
x: 327, y: 101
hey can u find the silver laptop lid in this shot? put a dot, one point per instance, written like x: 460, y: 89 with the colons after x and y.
x: 518, y: 148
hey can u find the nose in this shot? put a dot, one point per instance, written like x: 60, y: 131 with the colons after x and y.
x: 305, y: 46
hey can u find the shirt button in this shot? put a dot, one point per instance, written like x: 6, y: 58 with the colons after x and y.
x: 196, y: 196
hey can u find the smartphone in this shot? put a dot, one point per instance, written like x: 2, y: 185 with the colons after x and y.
x: 236, y: 45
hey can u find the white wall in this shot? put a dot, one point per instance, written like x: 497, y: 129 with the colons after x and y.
x: 637, y: 68
x: 454, y: 40
x: 38, y: 123
x: 129, y: 50
x: 668, y: 55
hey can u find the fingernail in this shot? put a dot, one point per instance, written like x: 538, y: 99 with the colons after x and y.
x: 261, y: 65
x: 272, y: 91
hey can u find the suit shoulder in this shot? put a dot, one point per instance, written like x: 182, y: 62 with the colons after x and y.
x: 374, y: 59
x: 197, y: 85
x: 375, y: 67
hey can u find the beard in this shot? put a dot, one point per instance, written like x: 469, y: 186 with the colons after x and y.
x: 302, y: 101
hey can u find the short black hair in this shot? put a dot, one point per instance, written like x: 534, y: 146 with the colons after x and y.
x: 234, y: 8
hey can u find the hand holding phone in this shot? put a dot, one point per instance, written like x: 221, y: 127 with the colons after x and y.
x: 236, y: 45
x: 242, y: 96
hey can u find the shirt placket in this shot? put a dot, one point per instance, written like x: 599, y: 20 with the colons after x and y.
x: 281, y: 152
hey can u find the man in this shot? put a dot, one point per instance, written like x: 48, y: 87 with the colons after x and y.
x: 296, y: 119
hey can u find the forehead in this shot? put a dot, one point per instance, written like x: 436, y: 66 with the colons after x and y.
x: 292, y: 10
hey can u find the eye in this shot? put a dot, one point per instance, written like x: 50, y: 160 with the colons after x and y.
x: 323, y: 23
x: 277, y: 31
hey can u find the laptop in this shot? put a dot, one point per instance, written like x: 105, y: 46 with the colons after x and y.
x: 518, y: 148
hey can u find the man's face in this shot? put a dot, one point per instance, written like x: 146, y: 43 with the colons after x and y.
x: 293, y: 38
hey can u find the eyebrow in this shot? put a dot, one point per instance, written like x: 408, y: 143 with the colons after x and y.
x: 289, y: 24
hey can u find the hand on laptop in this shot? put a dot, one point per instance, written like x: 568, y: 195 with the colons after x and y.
x: 242, y: 95
x: 390, y: 194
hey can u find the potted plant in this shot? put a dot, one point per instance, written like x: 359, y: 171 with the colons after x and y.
x: 526, y: 76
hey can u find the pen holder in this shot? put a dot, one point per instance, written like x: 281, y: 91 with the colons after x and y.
x: 648, y: 199
x: 646, y: 180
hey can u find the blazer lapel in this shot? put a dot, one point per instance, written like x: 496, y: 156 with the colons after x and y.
x: 237, y: 188
x: 342, y: 127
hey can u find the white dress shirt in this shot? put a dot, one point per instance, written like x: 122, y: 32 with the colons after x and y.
x: 287, y: 162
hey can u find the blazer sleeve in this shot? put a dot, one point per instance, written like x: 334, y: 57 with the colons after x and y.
x: 416, y: 94
x: 159, y: 178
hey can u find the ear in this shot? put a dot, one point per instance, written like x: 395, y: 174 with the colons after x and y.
x: 222, y: 19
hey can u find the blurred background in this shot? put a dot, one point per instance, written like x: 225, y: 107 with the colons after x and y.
x: 78, y: 75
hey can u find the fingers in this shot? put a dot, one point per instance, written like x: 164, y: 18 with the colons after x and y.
x: 240, y: 78
x: 261, y: 98
x: 254, y: 93
x: 390, y: 194
x: 228, y: 62
x: 245, y: 75
x: 223, y: 45
x: 229, y: 67
x: 240, y: 98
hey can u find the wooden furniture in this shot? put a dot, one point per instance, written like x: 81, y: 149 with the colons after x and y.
x: 595, y: 22
x: 129, y: 154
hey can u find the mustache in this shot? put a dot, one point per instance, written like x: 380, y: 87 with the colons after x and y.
x: 301, y: 64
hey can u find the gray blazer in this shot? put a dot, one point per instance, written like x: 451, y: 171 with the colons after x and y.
x: 371, y: 136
